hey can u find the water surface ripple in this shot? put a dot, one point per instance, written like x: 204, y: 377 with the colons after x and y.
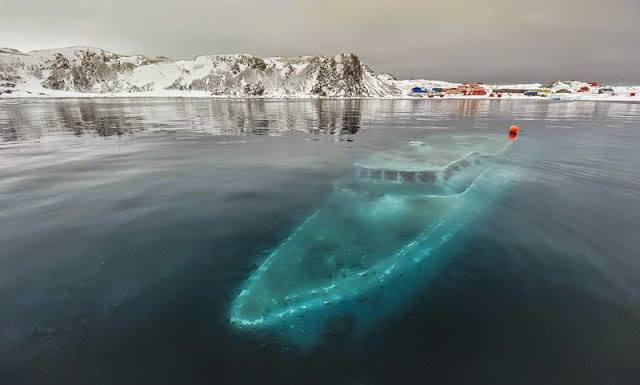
x: 126, y: 227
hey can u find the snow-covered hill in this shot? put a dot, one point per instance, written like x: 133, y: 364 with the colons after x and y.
x: 58, y: 72
x: 87, y: 71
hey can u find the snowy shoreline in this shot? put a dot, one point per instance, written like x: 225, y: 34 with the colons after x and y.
x: 205, y: 95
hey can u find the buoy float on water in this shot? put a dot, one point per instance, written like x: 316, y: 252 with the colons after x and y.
x: 513, y: 133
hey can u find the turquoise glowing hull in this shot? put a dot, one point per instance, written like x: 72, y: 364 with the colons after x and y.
x: 369, y: 246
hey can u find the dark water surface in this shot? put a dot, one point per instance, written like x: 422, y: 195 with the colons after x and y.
x: 127, y: 226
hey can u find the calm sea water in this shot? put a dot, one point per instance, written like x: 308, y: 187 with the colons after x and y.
x: 127, y: 226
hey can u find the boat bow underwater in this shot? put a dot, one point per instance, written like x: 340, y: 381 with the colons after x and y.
x: 377, y: 239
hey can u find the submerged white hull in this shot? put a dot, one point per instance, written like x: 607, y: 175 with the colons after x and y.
x: 362, y: 245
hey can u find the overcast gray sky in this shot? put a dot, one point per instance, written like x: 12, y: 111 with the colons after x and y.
x: 499, y: 40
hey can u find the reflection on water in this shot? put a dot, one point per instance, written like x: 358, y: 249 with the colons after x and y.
x: 127, y: 227
x: 29, y: 120
x: 113, y: 117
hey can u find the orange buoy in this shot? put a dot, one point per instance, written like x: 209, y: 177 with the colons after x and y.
x: 513, y: 133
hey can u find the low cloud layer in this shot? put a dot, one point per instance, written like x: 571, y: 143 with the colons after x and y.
x: 500, y: 40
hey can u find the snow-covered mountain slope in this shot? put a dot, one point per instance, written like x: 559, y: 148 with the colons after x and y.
x: 97, y: 71
x: 88, y: 71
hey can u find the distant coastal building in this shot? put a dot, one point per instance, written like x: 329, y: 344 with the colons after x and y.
x: 509, y: 90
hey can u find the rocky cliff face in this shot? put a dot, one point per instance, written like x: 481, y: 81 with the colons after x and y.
x: 92, y: 70
x: 340, y: 75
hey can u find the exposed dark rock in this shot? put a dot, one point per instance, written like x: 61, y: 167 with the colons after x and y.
x: 177, y: 85
x: 235, y: 68
x: 209, y: 83
x: 340, y: 75
x: 60, y: 69
x: 253, y: 89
